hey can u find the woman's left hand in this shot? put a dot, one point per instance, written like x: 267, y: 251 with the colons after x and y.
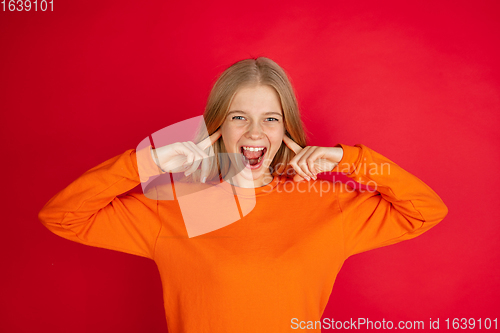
x: 311, y: 160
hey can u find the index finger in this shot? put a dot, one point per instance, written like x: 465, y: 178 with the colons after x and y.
x: 209, y: 140
x: 292, y: 144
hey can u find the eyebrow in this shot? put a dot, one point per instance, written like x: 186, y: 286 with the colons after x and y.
x: 266, y: 113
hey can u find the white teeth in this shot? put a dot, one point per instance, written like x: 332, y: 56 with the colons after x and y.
x: 253, y: 149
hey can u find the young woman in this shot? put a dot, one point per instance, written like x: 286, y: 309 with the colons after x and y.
x: 251, y: 240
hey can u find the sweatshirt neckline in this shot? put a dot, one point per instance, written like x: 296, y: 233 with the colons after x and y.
x: 243, y: 191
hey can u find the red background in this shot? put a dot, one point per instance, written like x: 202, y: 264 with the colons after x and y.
x: 417, y: 82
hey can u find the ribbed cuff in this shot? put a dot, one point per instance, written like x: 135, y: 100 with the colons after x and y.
x: 350, y: 159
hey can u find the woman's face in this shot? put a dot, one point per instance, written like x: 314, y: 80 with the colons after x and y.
x: 254, y: 129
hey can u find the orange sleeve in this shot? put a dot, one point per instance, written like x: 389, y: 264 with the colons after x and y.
x: 398, y: 206
x: 89, y: 211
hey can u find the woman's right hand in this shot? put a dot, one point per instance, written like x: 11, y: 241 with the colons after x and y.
x: 186, y: 156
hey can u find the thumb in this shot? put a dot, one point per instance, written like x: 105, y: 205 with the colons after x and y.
x: 297, y: 178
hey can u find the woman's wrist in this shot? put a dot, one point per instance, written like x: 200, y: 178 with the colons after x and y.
x: 155, y: 158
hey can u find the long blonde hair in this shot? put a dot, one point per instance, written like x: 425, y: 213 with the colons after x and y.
x: 250, y: 72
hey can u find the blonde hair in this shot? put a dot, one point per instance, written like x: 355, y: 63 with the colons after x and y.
x: 244, y: 73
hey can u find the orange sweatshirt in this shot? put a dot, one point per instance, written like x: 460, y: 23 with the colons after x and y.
x: 278, y: 258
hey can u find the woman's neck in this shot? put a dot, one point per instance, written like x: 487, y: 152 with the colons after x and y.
x: 245, y: 179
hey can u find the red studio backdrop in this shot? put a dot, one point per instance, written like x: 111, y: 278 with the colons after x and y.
x: 416, y: 81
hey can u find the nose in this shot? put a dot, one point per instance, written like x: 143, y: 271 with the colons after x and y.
x: 255, y: 131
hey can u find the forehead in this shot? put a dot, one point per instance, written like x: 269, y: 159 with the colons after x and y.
x: 256, y: 100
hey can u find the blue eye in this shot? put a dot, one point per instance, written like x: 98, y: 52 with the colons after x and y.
x: 273, y: 119
x: 237, y: 117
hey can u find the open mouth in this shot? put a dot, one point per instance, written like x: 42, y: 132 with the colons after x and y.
x: 253, y: 156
